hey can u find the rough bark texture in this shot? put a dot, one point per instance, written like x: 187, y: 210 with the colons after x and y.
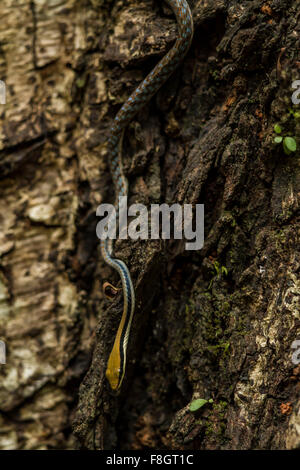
x: 218, y: 323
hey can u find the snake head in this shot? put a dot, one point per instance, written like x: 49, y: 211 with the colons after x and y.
x: 113, y: 372
x: 116, y: 364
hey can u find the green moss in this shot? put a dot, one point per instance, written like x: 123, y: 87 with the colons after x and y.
x: 215, y: 426
x: 217, y: 272
x: 220, y: 408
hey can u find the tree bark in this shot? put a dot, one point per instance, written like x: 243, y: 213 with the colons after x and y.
x: 215, y: 324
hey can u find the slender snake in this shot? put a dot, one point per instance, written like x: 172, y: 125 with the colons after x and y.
x: 146, y: 90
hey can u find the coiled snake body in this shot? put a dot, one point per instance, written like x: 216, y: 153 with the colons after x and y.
x: 146, y: 90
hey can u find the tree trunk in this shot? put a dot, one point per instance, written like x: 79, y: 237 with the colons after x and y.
x: 216, y: 324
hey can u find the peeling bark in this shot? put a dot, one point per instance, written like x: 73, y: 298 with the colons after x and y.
x: 199, y: 331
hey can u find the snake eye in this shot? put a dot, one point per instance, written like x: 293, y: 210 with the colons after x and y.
x: 110, y: 291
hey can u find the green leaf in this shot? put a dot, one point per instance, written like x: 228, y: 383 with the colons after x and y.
x: 80, y: 82
x: 290, y: 144
x: 197, y: 404
x: 217, y: 266
x: 286, y: 150
x: 224, y: 270
x: 278, y: 139
x: 297, y: 115
x: 277, y: 129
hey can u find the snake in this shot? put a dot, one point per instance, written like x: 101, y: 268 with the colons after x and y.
x: 116, y: 365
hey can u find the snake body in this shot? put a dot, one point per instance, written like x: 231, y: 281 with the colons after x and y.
x: 146, y: 90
